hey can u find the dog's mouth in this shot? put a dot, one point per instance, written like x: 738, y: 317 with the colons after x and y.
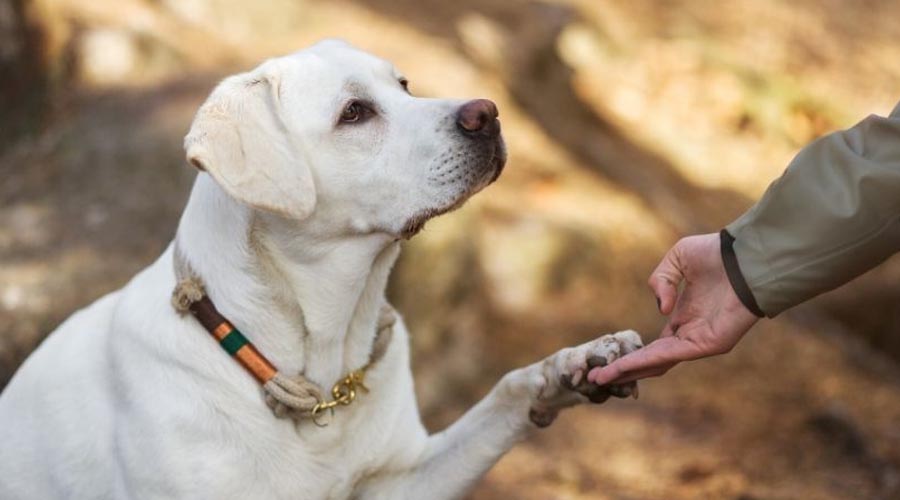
x: 498, y: 160
x: 495, y: 167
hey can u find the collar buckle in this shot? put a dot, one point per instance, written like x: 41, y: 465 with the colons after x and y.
x: 343, y: 394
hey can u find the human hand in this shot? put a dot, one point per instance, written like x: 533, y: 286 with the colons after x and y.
x: 705, y: 319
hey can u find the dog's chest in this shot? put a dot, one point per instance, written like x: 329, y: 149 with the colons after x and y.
x: 317, y: 463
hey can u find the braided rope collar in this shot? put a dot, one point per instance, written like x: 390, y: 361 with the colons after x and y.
x: 296, y: 397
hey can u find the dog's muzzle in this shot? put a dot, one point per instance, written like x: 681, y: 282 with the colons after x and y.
x: 484, y: 156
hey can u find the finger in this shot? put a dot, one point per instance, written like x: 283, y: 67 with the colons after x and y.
x: 661, y: 352
x: 665, y: 279
x: 642, y: 374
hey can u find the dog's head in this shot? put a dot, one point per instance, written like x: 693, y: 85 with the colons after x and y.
x: 331, y: 133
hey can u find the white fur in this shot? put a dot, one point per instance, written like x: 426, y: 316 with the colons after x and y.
x: 294, y: 228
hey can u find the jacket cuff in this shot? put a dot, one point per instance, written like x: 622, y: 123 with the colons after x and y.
x: 735, y: 277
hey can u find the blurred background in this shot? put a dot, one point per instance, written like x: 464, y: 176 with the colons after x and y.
x: 630, y: 124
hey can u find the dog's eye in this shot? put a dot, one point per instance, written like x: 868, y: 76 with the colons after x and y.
x: 405, y: 84
x: 354, y: 112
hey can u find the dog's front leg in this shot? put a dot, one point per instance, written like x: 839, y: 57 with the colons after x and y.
x: 532, y: 396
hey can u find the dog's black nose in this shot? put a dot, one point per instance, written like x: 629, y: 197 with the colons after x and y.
x: 478, y: 117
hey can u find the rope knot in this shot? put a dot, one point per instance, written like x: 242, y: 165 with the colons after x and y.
x: 187, y: 292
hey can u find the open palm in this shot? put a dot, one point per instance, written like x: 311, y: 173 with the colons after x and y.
x: 705, y: 319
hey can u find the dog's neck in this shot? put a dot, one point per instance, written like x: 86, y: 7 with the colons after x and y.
x: 308, y: 302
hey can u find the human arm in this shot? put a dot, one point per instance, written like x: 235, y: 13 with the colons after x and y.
x: 833, y: 215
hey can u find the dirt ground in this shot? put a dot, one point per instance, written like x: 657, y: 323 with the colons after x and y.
x: 629, y: 124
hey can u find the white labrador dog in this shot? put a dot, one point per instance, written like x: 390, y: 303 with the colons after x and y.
x: 315, y: 166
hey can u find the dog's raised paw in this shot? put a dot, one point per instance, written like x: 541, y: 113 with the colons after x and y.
x: 565, y: 375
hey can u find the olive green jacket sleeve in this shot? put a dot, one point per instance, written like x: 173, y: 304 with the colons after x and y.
x: 833, y: 215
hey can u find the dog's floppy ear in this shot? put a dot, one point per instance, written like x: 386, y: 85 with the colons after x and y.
x: 238, y: 136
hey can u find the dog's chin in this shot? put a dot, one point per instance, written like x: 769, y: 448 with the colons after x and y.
x: 416, y: 223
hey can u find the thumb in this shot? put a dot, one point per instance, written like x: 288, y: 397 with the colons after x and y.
x: 662, y: 352
x: 665, y: 279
